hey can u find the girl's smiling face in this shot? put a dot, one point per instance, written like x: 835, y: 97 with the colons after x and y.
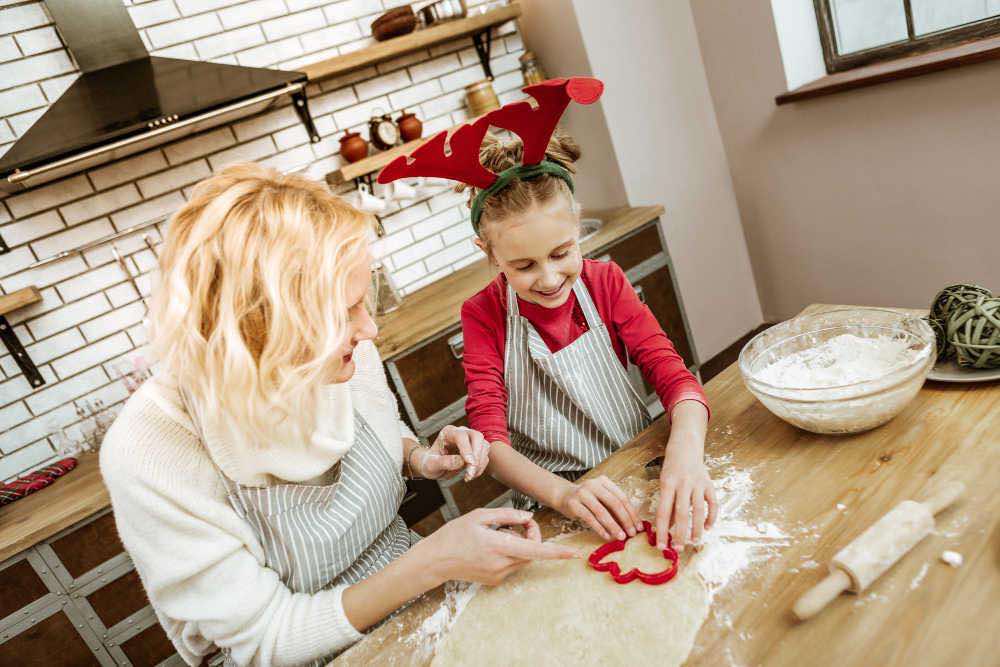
x: 538, y: 250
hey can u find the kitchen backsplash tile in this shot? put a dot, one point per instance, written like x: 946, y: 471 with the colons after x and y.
x: 89, y: 324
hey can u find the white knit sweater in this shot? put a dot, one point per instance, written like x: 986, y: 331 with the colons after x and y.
x: 200, y: 563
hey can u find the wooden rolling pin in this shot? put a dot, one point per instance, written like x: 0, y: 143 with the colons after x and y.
x: 874, y: 551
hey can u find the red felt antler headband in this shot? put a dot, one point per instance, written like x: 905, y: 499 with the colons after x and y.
x: 459, y: 160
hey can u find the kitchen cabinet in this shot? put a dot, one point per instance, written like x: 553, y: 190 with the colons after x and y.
x: 77, y: 596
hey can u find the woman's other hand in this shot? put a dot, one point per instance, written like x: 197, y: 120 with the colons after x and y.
x: 455, y: 447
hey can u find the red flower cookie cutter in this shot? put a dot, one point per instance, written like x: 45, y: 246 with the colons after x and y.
x: 597, y: 557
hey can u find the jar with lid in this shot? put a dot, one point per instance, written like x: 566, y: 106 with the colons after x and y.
x: 530, y: 68
x: 481, y: 98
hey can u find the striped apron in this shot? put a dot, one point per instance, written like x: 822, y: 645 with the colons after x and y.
x: 569, y: 410
x: 316, y: 537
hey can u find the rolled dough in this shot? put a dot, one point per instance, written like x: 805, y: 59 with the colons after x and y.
x: 565, y: 613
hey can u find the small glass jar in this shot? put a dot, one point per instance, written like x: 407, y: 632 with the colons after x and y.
x: 530, y: 68
x: 385, y: 295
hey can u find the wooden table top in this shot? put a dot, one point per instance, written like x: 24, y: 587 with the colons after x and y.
x: 72, y: 498
x: 437, y: 307
x: 947, y: 616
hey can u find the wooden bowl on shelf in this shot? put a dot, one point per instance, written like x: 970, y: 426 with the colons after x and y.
x: 394, y: 23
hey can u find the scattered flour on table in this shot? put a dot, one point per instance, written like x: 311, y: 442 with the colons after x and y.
x: 737, y: 542
x: 953, y: 558
x: 919, y: 579
x: 841, y: 360
x: 434, y: 627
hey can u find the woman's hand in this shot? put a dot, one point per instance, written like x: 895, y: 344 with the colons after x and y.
x: 454, y: 448
x: 470, y: 548
x: 601, y: 505
x: 687, y: 496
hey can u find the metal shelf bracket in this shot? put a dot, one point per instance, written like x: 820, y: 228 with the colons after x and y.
x: 20, y: 355
x: 301, y: 104
x: 483, y: 40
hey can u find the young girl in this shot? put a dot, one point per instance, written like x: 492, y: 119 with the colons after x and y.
x: 548, y: 341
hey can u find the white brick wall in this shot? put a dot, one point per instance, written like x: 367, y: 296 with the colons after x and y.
x: 90, y: 319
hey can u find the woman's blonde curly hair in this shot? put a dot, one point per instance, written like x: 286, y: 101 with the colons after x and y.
x: 251, y: 306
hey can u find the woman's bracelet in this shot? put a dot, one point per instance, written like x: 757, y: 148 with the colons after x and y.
x: 409, y: 462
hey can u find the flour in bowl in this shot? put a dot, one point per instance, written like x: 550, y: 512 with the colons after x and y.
x: 843, y: 359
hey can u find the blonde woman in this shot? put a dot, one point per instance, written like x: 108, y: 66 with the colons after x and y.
x: 256, y: 478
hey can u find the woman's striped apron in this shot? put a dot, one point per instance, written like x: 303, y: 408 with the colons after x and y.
x: 567, y: 411
x: 316, y: 537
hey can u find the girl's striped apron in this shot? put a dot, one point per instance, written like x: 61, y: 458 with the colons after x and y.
x: 567, y: 411
x: 316, y: 537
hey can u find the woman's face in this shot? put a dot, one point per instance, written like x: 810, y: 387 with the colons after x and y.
x: 360, y: 325
x: 539, y: 252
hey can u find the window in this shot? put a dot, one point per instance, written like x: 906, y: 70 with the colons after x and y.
x: 860, y: 32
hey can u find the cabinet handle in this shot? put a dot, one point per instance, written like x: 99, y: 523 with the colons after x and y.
x: 457, y: 345
x: 639, y: 293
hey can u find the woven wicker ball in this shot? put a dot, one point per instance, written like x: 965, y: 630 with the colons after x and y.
x: 974, y: 330
x: 953, y: 295
x: 945, y: 350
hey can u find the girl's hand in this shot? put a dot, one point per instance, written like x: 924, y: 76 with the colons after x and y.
x: 469, y: 548
x: 601, y: 505
x: 687, y: 496
x: 454, y: 448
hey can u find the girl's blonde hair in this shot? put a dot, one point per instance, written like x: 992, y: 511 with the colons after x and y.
x: 251, y: 306
x: 498, y: 155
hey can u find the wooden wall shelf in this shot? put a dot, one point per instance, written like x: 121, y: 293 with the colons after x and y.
x: 19, y: 299
x: 419, y: 39
x: 373, y: 163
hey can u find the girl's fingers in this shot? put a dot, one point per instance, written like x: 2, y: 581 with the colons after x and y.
x: 698, y: 512
x: 633, y: 515
x: 617, y: 505
x: 713, y: 506
x: 682, y: 517
x: 596, y: 507
x: 663, y: 515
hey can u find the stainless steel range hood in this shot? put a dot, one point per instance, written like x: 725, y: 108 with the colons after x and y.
x: 126, y: 101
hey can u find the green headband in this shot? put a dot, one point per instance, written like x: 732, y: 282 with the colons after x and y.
x: 522, y: 172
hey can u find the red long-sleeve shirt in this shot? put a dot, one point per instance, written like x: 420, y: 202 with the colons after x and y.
x: 635, y: 334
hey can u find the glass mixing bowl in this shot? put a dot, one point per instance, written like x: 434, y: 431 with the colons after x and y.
x: 847, y: 408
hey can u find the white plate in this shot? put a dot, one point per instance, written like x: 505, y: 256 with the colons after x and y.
x: 949, y: 371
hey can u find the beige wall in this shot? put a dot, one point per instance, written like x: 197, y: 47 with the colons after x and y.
x: 549, y: 29
x: 877, y: 196
x: 662, y: 143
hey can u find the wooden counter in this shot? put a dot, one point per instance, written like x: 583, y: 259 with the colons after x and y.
x: 949, y: 617
x: 433, y: 309
x: 25, y: 523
